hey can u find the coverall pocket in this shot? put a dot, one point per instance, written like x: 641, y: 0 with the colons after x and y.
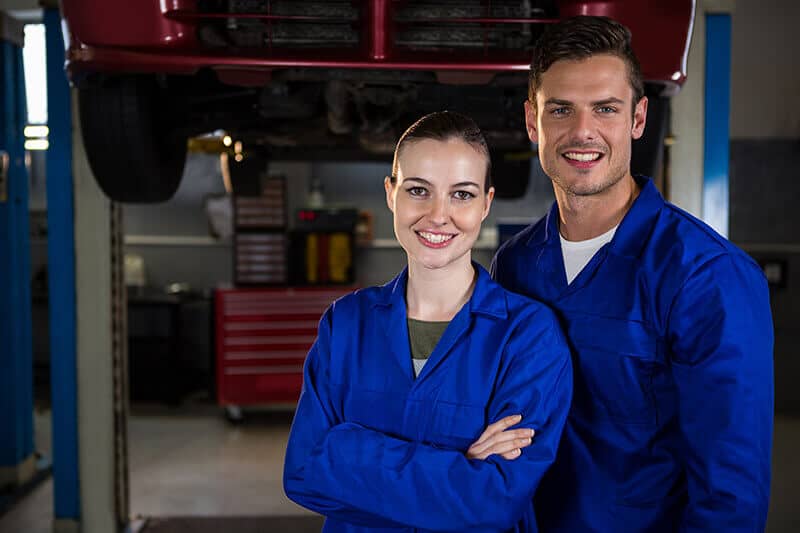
x: 615, y: 361
x: 456, y: 426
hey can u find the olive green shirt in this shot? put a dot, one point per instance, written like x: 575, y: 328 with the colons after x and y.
x: 423, y: 337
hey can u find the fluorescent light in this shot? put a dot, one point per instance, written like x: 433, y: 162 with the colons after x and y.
x: 35, y: 65
x: 227, y: 140
x: 37, y: 131
x: 37, y: 144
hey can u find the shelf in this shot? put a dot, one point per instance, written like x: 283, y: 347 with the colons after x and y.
x: 174, y: 240
x: 488, y: 241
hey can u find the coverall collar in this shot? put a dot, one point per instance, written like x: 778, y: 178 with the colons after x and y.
x: 631, y: 235
x: 488, y: 298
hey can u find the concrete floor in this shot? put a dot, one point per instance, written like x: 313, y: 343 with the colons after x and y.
x: 203, y: 465
x: 197, y: 464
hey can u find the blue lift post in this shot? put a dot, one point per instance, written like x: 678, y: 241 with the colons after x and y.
x: 717, y: 120
x: 61, y: 279
x: 17, y: 462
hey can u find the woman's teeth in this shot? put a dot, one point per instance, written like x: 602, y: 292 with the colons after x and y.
x: 435, y: 238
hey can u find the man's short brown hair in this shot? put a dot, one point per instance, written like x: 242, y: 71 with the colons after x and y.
x: 579, y: 38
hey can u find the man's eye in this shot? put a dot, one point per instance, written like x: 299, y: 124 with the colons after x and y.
x: 463, y: 195
x: 607, y: 109
x: 417, y: 191
x: 560, y: 111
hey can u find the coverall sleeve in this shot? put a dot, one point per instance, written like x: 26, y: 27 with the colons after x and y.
x: 314, y: 417
x: 350, y: 470
x: 721, y: 337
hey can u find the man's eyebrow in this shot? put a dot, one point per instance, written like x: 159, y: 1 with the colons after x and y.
x: 556, y: 101
x: 606, y: 101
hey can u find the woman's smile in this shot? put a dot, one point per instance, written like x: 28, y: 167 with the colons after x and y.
x: 435, y: 239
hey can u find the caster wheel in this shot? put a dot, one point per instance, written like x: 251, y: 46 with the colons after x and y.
x: 234, y: 414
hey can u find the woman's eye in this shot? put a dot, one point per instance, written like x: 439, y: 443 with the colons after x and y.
x: 417, y: 191
x: 463, y: 195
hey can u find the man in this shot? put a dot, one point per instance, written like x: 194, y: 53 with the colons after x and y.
x: 671, y: 420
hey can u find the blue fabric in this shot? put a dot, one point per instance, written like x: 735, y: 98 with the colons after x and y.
x: 374, y: 449
x: 671, y: 421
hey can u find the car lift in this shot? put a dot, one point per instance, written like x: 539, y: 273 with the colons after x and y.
x: 17, y: 459
x: 87, y: 317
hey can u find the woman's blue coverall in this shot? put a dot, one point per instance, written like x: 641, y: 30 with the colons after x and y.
x: 374, y: 449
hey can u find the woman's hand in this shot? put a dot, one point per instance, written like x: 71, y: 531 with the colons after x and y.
x: 497, y: 439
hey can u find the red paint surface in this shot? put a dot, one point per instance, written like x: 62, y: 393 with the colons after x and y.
x: 146, y: 36
x: 262, y: 339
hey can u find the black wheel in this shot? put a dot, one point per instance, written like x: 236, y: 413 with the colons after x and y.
x: 511, y: 172
x: 647, y: 152
x: 133, y: 147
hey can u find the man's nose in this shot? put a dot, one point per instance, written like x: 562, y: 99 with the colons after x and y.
x: 583, y: 126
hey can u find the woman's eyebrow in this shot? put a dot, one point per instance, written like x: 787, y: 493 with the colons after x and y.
x: 419, y: 180
x: 423, y: 181
x: 465, y: 184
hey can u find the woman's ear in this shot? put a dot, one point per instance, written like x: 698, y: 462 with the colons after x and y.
x: 488, y: 203
x: 389, y: 187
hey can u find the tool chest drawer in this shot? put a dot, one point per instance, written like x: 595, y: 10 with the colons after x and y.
x: 262, y: 339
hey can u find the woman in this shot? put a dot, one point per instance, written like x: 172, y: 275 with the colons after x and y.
x: 403, y: 378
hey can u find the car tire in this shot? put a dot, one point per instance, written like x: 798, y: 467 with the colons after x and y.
x: 647, y: 152
x: 129, y: 133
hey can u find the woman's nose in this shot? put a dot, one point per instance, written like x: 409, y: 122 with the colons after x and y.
x: 439, y: 212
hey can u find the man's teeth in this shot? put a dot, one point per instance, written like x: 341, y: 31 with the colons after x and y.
x: 435, y: 238
x: 582, y: 157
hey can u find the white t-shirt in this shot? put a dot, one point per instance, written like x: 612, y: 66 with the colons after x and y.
x: 578, y: 253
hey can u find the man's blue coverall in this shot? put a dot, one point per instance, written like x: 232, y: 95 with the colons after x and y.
x: 671, y: 331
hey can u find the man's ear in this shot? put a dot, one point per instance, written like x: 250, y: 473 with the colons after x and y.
x: 639, y: 118
x: 530, y: 121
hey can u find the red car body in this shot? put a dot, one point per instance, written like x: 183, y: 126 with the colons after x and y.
x: 161, y: 36
x: 259, y: 43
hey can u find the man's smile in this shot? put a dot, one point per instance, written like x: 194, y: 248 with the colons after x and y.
x: 582, y: 159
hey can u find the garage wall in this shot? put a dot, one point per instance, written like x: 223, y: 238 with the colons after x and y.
x: 207, y: 264
x: 187, y: 254
x: 764, y: 176
x: 764, y: 220
x: 765, y: 123
x: 766, y: 80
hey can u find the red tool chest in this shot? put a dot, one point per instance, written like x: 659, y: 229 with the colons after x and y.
x: 262, y: 338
